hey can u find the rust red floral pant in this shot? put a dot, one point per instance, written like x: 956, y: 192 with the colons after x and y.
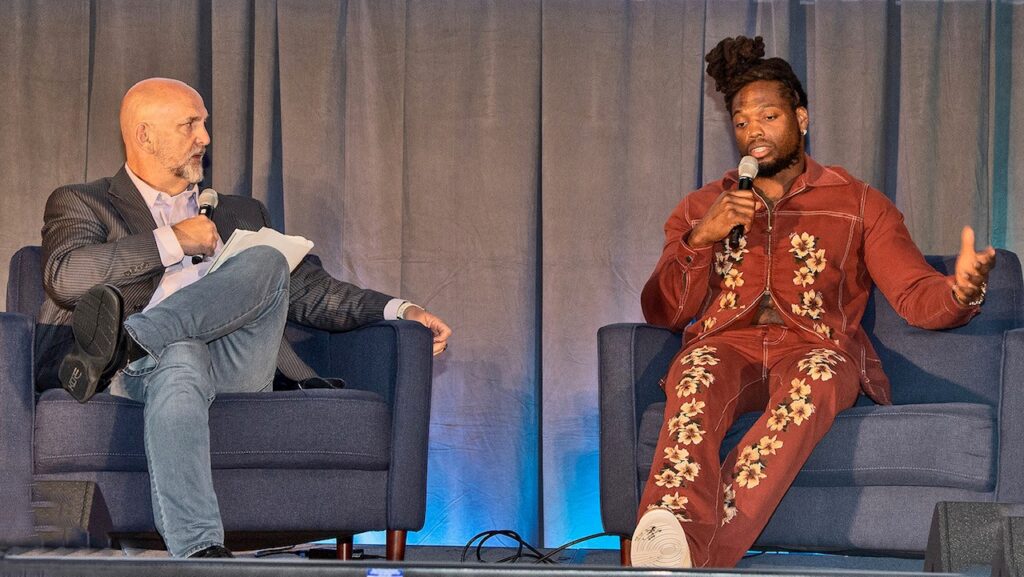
x: 800, y: 386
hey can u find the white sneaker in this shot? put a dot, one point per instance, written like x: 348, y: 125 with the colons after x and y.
x: 659, y: 541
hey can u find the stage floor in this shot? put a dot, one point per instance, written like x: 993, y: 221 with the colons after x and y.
x: 314, y: 559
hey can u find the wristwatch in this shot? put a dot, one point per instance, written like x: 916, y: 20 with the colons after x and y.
x: 400, y: 313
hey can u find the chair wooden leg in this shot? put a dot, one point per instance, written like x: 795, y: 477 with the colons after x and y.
x: 624, y: 546
x: 345, y: 548
x: 395, y: 545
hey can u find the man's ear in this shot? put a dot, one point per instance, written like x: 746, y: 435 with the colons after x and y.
x: 802, y: 118
x: 142, y: 137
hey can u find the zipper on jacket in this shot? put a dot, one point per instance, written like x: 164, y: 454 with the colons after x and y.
x: 768, y: 279
x: 769, y: 208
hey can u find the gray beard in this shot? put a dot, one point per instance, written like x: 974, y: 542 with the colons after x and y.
x: 193, y: 174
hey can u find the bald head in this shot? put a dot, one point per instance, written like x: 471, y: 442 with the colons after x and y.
x: 164, y: 132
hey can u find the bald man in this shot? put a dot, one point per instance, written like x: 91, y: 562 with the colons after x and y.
x: 127, y: 307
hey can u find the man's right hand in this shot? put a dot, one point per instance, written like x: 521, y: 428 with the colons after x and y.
x: 732, y: 207
x: 197, y: 235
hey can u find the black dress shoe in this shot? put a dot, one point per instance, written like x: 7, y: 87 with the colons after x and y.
x: 282, y: 383
x: 321, y: 383
x: 211, y: 551
x: 101, y: 344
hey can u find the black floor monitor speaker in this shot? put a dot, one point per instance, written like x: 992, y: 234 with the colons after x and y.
x: 1009, y: 556
x: 70, y: 514
x: 965, y: 534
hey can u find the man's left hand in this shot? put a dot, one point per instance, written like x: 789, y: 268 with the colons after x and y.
x: 435, y: 324
x: 972, y: 268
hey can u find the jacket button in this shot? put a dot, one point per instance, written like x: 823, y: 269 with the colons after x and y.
x: 689, y: 259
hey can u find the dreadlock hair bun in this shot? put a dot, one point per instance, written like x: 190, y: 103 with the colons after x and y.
x: 735, y: 62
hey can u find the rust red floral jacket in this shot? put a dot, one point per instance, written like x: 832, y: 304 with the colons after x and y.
x: 815, y: 254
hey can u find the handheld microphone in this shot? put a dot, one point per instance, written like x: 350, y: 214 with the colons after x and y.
x: 208, y: 201
x: 748, y: 171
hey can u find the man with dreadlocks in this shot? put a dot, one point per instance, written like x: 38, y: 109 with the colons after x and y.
x: 776, y: 317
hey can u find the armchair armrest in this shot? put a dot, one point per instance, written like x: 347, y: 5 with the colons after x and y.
x: 17, y: 412
x: 632, y: 359
x: 395, y: 359
x: 1010, y: 472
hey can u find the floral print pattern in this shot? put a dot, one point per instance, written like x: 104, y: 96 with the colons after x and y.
x: 678, y: 467
x: 819, y: 363
x: 728, y: 503
x: 700, y: 356
x: 726, y: 267
x: 696, y: 378
x: 676, y: 504
x: 708, y: 324
x: 686, y: 430
x: 733, y: 278
x: 753, y: 461
x: 810, y: 305
x: 736, y: 254
x: 728, y: 301
x: 810, y: 262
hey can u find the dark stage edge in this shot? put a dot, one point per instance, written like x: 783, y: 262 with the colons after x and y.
x: 112, y: 567
x: 433, y: 561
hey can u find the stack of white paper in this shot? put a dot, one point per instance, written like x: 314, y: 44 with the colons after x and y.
x: 294, y: 248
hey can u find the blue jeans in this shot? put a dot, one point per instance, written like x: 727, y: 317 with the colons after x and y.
x: 218, y: 335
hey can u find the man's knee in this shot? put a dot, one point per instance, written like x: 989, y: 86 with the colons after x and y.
x: 263, y: 262
x: 182, y: 371
x: 822, y: 379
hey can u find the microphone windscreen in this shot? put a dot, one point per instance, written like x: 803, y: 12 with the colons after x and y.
x: 748, y: 167
x: 209, y: 197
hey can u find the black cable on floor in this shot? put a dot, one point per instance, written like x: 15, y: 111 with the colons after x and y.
x: 576, y: 542
x: 532, y: 552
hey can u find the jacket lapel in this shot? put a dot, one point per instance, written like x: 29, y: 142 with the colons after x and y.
x: 128, y: 202
x: 225, y: 222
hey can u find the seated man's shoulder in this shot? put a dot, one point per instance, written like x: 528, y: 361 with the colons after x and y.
x: 96, y: 189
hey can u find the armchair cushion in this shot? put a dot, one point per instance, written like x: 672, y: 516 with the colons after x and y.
x: 943, y: 445
x: 305, y: 429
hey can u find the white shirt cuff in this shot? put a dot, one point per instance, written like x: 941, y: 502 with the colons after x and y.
x: 170, y: 249
x: 391, y: 309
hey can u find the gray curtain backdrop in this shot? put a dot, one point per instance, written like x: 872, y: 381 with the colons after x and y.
x: 510, y: 163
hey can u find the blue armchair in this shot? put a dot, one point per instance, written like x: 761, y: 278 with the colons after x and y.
x: 954, y: 433
x: 288, y: 467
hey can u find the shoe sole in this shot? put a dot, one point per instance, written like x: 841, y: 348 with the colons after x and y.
x: 96, y: 325
x: 79, y: 377
x: 659, y: 541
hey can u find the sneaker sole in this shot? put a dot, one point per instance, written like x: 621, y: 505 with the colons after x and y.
x: 659, y: 541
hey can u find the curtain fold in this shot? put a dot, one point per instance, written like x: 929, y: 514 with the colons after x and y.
x: 620, y: 125
x: 943, y: 155
x: 469, y: 253
x: 510, y: 164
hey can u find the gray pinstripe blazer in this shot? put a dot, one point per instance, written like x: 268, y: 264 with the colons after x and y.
x: 102, y: 232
